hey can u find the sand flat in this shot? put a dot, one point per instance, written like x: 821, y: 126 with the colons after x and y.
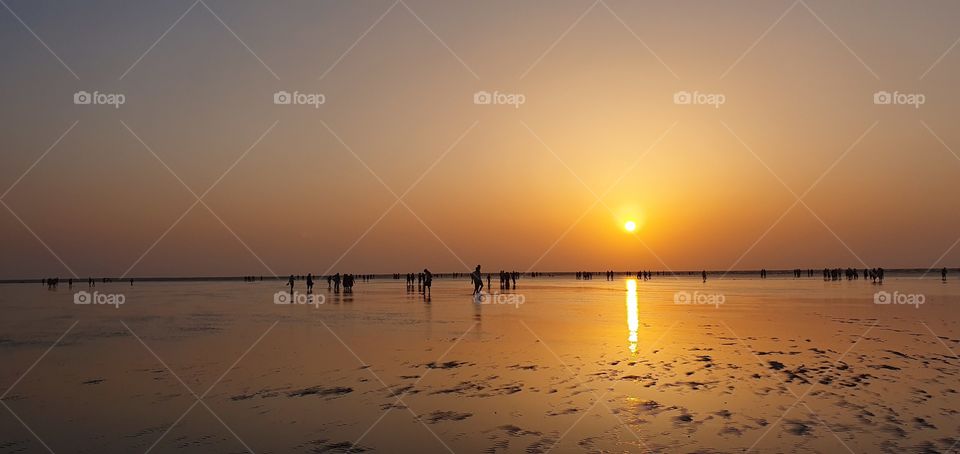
x: 781, y: 365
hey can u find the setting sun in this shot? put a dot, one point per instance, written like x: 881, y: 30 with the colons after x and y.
x: 630, y: 226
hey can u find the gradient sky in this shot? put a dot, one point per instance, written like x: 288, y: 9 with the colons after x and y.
x: 505, y: 187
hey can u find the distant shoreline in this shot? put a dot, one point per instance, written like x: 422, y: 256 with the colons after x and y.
x: 787, y: 273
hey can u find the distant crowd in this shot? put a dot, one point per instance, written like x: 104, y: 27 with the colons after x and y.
x: 423, y: 281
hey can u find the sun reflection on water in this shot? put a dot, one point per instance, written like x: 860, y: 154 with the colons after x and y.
x: 633, y: 317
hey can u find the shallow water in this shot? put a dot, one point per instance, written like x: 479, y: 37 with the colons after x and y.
x: 776, y: 365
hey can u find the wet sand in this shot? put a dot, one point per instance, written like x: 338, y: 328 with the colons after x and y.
x: 782, y: 365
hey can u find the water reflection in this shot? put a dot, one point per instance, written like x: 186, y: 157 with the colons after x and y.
x: 633, y: 317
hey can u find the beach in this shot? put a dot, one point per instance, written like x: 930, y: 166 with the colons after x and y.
x: 557, y: 365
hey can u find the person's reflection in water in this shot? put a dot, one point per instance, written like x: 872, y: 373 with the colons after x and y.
x: 633, y: 314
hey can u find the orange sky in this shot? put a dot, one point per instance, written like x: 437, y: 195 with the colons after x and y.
x: 504, y: 186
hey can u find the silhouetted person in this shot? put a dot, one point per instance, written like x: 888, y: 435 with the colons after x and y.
x: 704, y: 275
x: 309, y: 282
x: 477, y: 280
x: 290, y: 283
x: 427, y: 281
x: 943, y: 274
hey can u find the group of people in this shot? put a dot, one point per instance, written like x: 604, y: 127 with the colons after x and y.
x: 852, y: 274
x: 333, y: 281
x: 506, y: 277
x: 53, y: 282
x: 423, y: 279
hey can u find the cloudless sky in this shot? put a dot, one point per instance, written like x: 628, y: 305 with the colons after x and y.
x: 297, y: 189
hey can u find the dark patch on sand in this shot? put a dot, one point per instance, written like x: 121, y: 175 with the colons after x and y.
x: 446, y: 365
x: 439, y: 416
x: 320, y: 391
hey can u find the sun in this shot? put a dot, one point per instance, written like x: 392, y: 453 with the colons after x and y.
x: 630, y: 226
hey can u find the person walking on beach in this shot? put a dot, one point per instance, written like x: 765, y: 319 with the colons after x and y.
x: 477, y: 280
x: 427, y: 281
x: 943, y: 274
x: 704, y: 275
x: 309, y: 282
x: 290, y: 283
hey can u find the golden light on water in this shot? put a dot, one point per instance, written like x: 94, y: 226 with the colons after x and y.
x: 633, y: 316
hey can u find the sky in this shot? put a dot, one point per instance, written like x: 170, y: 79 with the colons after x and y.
x: 737, y: 135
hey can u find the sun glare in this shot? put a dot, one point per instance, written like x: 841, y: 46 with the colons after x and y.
x: 630, y: 226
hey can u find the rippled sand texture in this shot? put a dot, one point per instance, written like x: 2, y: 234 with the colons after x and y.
x: 781, y: 365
